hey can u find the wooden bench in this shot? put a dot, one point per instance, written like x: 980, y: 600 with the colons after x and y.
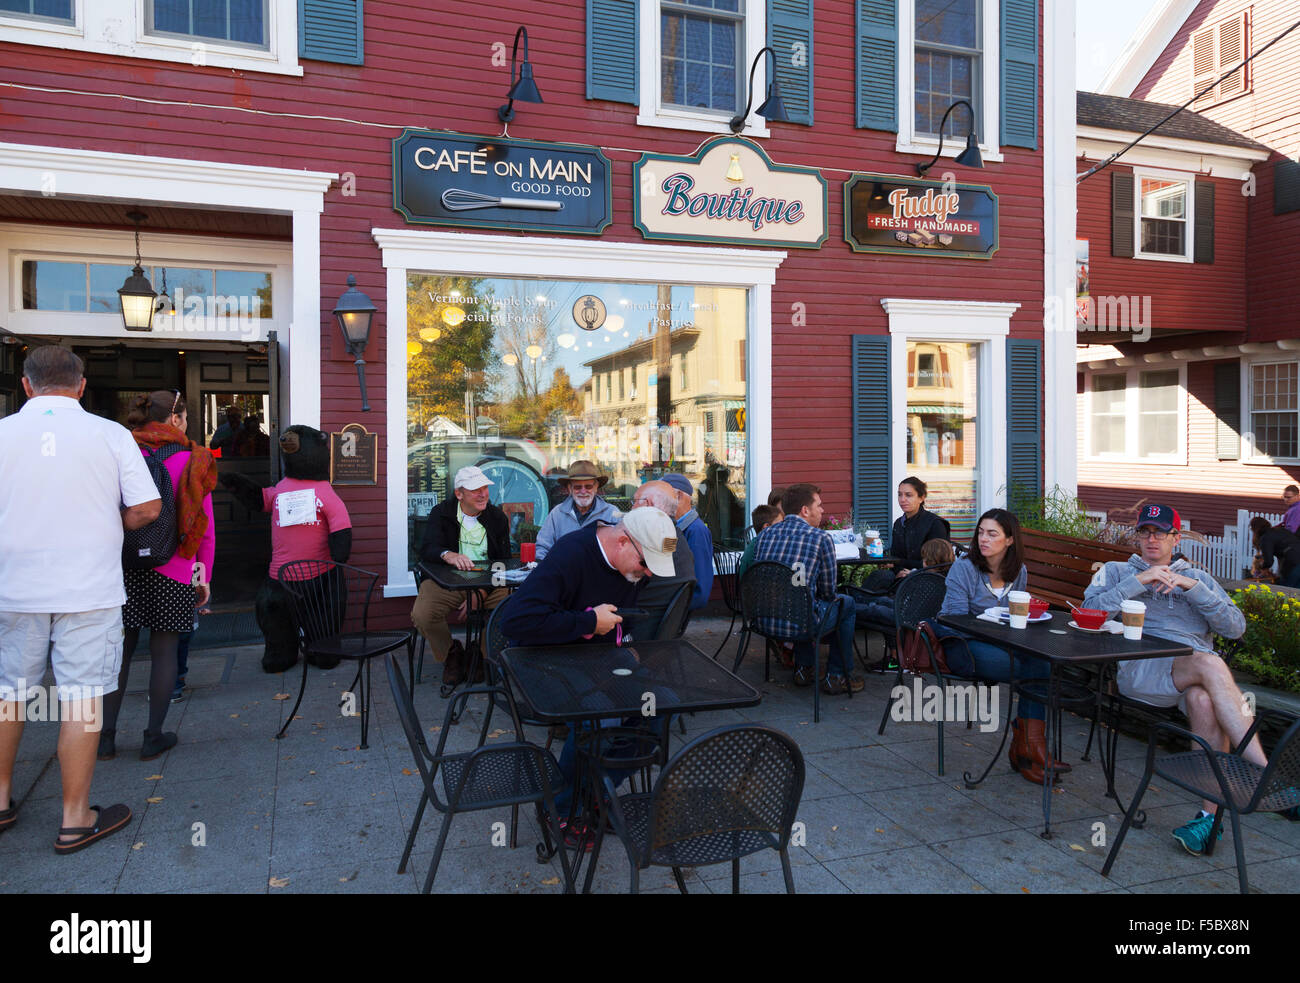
x: 1061, y: 567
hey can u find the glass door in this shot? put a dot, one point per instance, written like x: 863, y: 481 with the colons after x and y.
x: 942, y: 424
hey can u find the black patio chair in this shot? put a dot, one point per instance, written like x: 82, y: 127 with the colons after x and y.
x: 455, y: 618
x: 1226, y: 779
x: 726, y: 564
x: 768, y: 591
x: 919, y: 598
x: 491, y: 776
x: 331, y: 604
x: 727, y: 794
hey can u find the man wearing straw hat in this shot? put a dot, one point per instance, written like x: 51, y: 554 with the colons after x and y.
x: 582, y: 508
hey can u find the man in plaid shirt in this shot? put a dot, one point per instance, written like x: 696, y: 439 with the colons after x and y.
x: 798, y: 543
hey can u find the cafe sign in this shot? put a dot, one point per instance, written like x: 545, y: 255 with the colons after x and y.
x: 890, y: 214
x: 729, y: 191
x: 442, y: 178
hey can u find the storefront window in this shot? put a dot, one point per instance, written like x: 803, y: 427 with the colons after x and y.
x: 942, y: 409
x: 518, y: 377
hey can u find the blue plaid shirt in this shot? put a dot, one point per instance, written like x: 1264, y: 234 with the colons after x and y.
x: 792, y: 541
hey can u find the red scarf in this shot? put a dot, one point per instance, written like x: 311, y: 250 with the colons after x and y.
x: 198, y: 479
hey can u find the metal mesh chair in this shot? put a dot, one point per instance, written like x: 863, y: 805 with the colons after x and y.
x: 491, y: 776
x: 457, y: 617
x: 1226, y: 779
x: 727, y: 794
x: 726, y: 563
x: 331, y: 604
x: 919, y: 597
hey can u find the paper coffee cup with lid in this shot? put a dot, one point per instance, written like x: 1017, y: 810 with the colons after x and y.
x: 1133, y: 615
x: 1018, y: 605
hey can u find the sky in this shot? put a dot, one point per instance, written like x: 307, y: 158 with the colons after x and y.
x: 1103, y: 29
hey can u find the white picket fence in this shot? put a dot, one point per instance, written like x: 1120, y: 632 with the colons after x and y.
x: 1218, y: 554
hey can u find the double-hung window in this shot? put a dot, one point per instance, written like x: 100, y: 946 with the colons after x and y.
x: 1164, y: 217
x: 49, y: 11
x: 1137, y: 415
x: 239, y: 22
x: 1274, y: 404
x: 948, y: 58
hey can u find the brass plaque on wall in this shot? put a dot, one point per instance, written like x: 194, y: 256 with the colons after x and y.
x: 354, y: 456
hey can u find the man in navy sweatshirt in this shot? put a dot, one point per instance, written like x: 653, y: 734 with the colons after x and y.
x: 697, y: 536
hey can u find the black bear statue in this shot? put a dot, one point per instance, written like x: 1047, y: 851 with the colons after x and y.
x: 323, y: 534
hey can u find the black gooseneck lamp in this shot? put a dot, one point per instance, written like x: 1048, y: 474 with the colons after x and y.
x: 970, y: 157
x: 772, y: 109
x: 522, y: 88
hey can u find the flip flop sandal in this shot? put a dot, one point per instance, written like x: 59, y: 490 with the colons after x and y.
x: 107, y: 822
x: 8, y: 816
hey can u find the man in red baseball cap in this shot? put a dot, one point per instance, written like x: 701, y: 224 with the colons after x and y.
x: 1184, y: 604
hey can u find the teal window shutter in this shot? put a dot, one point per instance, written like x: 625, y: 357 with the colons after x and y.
x: 1024, y: 419
x: 612, y: 54
x: 330, y: 30
x: 1020, y: 73
x: 872, y: 411
x: 790, y: 33
x: 877, y: 64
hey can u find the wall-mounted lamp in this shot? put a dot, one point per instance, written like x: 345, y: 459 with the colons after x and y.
x: 137, y: 295
x: 355, y: 312
x: 970, y: 157
x: 773, y: 109
x: 522, y: 88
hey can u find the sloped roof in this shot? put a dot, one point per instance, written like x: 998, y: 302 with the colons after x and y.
x: 1136, y: 115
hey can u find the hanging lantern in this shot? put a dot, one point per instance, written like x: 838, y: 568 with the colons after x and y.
x: 452, y: 316
x: 414, y: 348
x: 430, y: 334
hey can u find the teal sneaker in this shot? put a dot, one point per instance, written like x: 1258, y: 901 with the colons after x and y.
x: 1195, y: 836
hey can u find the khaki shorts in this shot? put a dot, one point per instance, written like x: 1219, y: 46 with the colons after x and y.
x: 84, y: 647
x: 1151, y: 681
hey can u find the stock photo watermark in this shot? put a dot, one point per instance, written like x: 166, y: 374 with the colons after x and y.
x: 51, y: 704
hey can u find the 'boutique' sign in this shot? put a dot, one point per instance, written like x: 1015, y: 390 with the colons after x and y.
x: 729, y: 191
x: 499, y: 183
x: 886, y: 214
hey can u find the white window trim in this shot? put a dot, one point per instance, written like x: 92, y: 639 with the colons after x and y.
x: 1248, y: 453
x: 26, y: 169
x: 753, y: 270
x: 986, y: 323
x: 1189, y: 239
x: 909, y: 141
x: 652, y: 113
x: 117, y: 27
x: 71, y: 245
x: 1132, y: 412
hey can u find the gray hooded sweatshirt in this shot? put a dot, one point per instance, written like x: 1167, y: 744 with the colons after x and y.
x: 1190, y: 617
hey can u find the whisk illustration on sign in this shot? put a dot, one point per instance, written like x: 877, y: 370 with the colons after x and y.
x: 460, y: 200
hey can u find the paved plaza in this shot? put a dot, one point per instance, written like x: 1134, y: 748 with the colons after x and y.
x: 230, y: 809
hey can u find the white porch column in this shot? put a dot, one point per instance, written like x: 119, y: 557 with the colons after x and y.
x: 302, y: 353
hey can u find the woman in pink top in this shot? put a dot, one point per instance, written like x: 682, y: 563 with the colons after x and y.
x: 163, y: 598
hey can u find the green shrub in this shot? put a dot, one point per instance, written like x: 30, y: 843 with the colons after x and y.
x: 1270, y: 648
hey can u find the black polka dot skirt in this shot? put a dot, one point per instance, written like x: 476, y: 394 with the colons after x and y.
x: 157, y: 602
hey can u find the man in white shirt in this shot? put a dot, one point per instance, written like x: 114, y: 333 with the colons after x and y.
x: 70, y: 483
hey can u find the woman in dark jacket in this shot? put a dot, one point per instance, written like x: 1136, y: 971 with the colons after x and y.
x: 1276, y: 542
x: 915, y: 527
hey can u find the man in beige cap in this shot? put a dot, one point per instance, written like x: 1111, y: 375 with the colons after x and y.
x: 461, y: 532
x: 582, y: 508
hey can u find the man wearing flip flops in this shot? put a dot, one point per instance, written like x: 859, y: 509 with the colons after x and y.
x: 70, y: 483
x: 1186, y: 605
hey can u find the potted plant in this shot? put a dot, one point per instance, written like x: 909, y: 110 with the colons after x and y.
x: 528, y: 542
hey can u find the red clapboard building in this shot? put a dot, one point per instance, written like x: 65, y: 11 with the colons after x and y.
x: 1188, y: 385
x: 617, y: 273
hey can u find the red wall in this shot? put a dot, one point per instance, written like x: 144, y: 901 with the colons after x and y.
x: 1184, y: 296
x: 418, y: 72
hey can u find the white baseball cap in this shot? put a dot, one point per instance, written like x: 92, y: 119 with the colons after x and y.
x: 655, y: 533
x: 471, y: 478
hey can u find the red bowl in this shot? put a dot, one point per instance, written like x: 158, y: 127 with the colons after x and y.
x: 1090, y: 617
x: 1037, y: 608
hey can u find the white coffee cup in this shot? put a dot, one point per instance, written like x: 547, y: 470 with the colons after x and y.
x: 1018, y: 605
x: 1133, y: 615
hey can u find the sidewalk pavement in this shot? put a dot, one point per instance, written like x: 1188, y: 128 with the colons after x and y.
x: 230, y: 809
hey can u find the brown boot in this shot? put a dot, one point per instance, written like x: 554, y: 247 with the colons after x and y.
x: 1036, y: 747
x: 1018, y: 753
x: 453, y: 670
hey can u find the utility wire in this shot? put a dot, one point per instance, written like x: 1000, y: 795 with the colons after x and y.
x: 1101, y: 165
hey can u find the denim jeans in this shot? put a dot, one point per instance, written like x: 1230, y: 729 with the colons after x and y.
x: 994, y: 664
x: 837, y: 618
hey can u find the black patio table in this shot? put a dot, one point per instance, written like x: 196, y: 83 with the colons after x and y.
x: 1062, y: 647
x: 477, y: 583
x: 572, y: 684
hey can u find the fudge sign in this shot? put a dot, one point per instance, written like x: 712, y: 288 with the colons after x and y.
x: 729, y: 191
x: 498, y: 183
x: 888, y: 214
